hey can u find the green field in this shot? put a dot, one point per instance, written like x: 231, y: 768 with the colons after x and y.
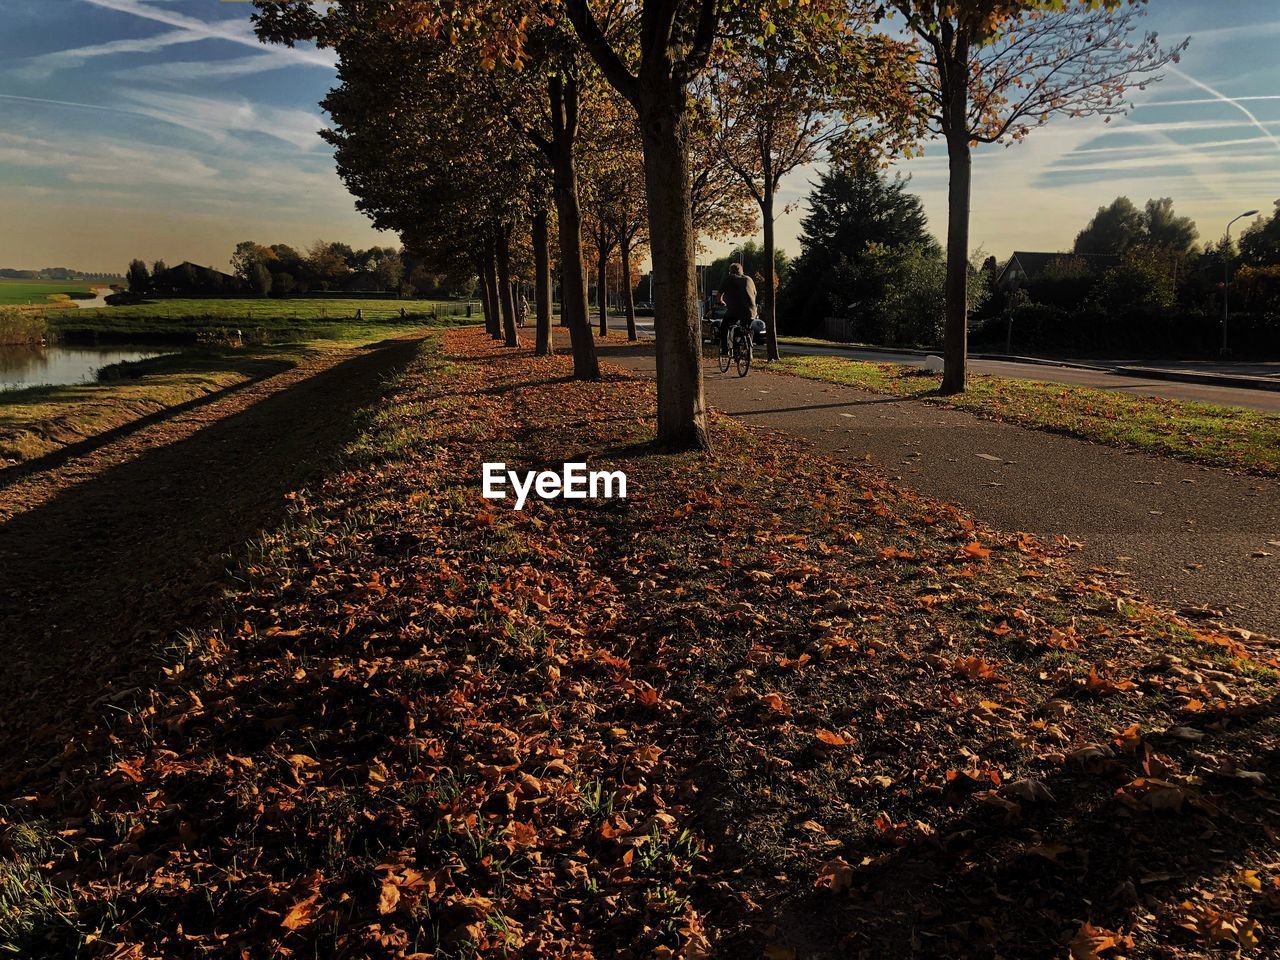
x: 43, y: 291
x: 257, y: 321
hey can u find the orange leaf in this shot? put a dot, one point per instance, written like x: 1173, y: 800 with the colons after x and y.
x: 302, y: 913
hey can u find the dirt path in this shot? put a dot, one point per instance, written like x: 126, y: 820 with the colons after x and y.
x: 1185, y: 534
x: 103, y: 553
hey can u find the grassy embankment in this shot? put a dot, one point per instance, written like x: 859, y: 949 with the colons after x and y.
x: 45, y: 292
x: 1224, y: 436
x: 768, y: 706
x: 38, y: 420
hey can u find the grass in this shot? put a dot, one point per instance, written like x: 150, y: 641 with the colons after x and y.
x: 1205, y: 433
x: 259, y: 321
x: 38, y: 420
x: 14, y: 292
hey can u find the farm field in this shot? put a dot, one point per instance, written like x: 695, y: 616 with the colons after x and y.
x: 20, y: 292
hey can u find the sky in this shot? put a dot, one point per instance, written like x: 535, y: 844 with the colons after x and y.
x: 162, y: 129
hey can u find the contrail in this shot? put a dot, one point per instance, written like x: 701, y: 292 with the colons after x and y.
x: 1235, y: 103
x: 64, y: 103
x: 96, y: 107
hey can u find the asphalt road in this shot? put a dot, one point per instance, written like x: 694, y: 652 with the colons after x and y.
x: 1267, y: 400
x: 1187, y: 535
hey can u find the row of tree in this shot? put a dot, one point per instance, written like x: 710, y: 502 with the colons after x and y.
x: 281, y: 270
x: 469, y: 125
x: 55, y: 273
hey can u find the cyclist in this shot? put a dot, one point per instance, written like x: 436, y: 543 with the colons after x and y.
x: 738, y: 296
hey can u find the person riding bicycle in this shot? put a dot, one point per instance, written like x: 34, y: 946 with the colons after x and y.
x: 738, y: 296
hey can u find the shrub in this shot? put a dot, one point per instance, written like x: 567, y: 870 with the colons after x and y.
x: 1142, y: 285
x: 22, y: 326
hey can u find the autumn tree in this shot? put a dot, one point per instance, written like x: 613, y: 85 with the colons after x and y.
x: 784, y: 98
x: 720, y: 205
x: 991, y: 70
x: 434, y: 181
x: 617, y: 204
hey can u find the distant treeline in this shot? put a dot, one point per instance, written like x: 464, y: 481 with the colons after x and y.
x: 57, y: 273
x: 1137, y: 280
x: 280, y: 270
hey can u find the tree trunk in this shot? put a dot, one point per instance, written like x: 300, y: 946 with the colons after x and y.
x: 960, y: 162
x: 664, y: 125
x: 629, y: 297
x: 491, y: 290
x: 602, y: 290
x: 769, y: 300
x: 542, y: 266
x: 486, y: 302
x: 573, y: 289
x: 564, y: 317
x: 504, y: 287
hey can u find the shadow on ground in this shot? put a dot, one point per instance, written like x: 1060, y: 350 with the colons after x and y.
x: 95, y: 578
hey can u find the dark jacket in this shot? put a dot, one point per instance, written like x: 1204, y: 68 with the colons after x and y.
x: 739, y: 295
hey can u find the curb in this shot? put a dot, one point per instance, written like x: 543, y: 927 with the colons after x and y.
x: 1210, y: 379
x: 1128, y: 370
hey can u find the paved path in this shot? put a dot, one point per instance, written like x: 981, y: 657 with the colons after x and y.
x: 1268, y: 400
x: 1186, y: 534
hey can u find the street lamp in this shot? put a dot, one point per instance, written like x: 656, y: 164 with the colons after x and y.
x: 1226, y: 279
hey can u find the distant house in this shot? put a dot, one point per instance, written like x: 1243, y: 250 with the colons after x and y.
x: 188, y: 277
x: 1025, y: 265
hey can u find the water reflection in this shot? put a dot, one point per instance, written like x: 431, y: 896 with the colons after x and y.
x: 30, y: 365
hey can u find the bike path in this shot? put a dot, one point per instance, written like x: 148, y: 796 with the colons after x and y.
x: 1188, y: 535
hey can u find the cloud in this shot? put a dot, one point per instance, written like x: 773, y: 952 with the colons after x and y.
x: 182, y: 71
x: 220, y: 119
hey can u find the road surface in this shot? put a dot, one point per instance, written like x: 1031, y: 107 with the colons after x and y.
x: 1266, y: 400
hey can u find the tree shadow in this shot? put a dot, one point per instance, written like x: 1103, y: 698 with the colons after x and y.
x: 984, y: 882
x: 95, y: 579
x: 60, y: 456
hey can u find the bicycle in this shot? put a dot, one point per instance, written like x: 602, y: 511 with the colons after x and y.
x: 741, y: 350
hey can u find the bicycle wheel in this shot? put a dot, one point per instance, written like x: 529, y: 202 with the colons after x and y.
x: 742, y: 353
x: 725, y: 358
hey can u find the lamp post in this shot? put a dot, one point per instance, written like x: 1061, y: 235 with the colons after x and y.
x: 1226, y: 279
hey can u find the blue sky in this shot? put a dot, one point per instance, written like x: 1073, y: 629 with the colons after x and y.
x: 161, y: 129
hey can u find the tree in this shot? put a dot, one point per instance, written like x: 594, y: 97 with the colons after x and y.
x: 387, y: 267
x: 674, y: 46
x: 1165, y: 230
x: 407, y: 65
x: 990, y: 70
x: 850, y: 207
x: 1260, y: 243
x: 1141, y: 285
x: 1114, y: 229
x: 781, y: 99
x: 327, y: 263
x: 249, y: 263
x: 138, y: 277
x: 260, y: 279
